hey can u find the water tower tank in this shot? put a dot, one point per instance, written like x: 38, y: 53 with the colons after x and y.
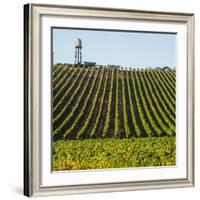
x: 78, y: 43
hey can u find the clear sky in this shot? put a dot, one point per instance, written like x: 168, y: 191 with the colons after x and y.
x: 128, y: 49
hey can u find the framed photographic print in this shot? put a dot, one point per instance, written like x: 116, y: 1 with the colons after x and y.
x: 108, y: 99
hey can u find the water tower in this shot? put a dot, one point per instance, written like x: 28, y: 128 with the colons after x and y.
x: 78, y: 53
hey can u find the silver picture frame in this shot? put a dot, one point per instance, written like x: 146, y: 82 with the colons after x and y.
x: 32, y: 97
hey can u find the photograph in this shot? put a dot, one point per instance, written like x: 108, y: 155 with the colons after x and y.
x: 108, y: 99
x: 113, y: 99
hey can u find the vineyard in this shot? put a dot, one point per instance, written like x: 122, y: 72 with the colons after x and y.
x: 99, y: 102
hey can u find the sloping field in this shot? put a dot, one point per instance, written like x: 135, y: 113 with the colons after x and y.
x: 112, y: 103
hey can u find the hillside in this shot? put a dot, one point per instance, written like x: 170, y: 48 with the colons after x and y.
x: 112, y: 103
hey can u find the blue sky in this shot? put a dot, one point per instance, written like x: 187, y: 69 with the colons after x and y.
x: 128, y: 49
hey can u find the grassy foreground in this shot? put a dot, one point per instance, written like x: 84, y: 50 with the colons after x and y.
x: 114, y: 153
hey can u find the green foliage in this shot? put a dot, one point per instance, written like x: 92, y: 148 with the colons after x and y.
x: 114, y: 153
x: 154, y: 101
x: 137, y: 129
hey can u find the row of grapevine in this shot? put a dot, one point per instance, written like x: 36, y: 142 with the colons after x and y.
x: 107, y: 120
x: 117, y: 106
x: 128, y: 131
x: 99, y: 103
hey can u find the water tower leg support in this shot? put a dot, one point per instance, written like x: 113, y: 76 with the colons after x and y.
x: 75, y: 56
x: 80, y: 56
